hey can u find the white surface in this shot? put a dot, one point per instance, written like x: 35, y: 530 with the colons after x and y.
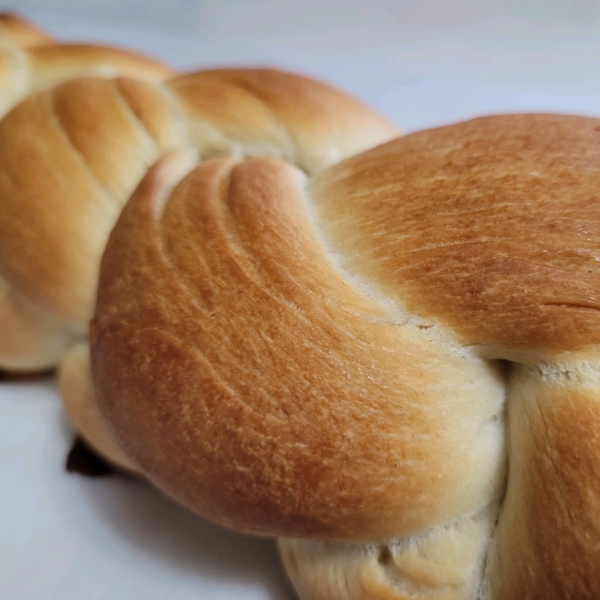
x: 423, y: 63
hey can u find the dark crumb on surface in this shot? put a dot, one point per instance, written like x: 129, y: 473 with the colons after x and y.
x: 16, y: 377
x: 385, y: 555
x: 84, y: 461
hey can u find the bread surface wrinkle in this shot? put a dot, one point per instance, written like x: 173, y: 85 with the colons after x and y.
x: 236, y: 286
x: 436, y: 218
x: 91, y: 111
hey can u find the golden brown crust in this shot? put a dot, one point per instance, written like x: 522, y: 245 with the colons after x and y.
x: 490, y: 226
x: 311, y: 432
x: 20, y: 32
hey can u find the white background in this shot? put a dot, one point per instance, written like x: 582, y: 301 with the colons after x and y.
x: 422, y: 63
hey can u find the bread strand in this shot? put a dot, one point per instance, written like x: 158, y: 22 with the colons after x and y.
x: 460, y: 575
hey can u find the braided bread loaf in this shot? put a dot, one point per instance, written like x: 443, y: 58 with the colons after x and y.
x: 72, y: 155
x: 358, y: 356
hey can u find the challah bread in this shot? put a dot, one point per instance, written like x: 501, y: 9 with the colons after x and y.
x: 61, y: 196
x: 330, y: 359
x: 16, y: 31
